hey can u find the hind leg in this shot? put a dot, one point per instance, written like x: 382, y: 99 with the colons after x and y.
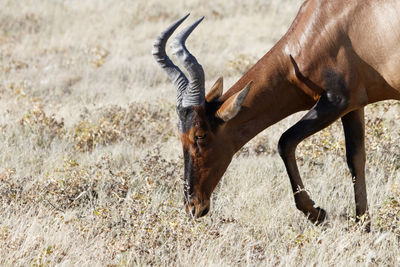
x: 354, y: 131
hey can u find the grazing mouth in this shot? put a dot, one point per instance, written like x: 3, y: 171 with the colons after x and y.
x: 205, y: 211
x: 198, y: 212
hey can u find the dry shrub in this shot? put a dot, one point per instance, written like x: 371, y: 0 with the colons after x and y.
x: 69, y: 186
x: 17, y: 90
x: 97, y: 56
x: 44, y: 128
x: 14, y: 65
x: 10, y: 190
x: 139, y: 124
x: 15, y: 25
x: 257, y: 146
x: 388, y: 217
x: 378, y: 134
x: 241, y: 63
x: 87, y: 135
x: 154, y: 166
x: 76, y: 185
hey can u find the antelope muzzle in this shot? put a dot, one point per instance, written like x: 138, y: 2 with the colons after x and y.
x: 196, y: 208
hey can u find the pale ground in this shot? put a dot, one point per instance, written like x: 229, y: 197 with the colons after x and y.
x: 91, y: 166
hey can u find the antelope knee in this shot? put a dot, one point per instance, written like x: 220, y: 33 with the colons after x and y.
x: 286, y: 146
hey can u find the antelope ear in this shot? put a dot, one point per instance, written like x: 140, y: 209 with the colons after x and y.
x: 231, y: 107
x: 216, y: 90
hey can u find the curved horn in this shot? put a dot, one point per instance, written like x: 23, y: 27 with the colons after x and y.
x: 174, y: 73
x: 195, y: 93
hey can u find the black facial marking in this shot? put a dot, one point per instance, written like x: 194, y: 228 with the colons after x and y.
x: 186, y: 116
x: 211, y: 109
x: 188, y: 173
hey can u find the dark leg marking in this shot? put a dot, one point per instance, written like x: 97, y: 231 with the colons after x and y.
x: 329, y: 108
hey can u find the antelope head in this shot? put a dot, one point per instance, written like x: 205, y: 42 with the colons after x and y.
x: 203, y: 120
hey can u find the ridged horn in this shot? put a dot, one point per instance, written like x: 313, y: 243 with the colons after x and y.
x: 174, y: 73
x: 195, y: 93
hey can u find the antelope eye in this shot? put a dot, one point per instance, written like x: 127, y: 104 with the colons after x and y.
x: 201, y: 137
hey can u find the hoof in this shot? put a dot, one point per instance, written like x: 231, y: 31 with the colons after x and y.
x: 318, y: 216
x: 364, y: 221
x: 322, y: 215
x: 367, y: 227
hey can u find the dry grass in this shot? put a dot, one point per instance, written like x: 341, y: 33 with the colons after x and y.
x: 90, y: 165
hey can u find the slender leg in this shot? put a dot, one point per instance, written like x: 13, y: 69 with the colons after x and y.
x: 354, y: 131
x: 328, y: 109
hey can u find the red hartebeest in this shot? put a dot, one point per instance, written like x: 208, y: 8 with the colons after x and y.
x: 336, y: 57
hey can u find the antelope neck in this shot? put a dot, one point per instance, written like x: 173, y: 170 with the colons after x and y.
x: 272, y: 97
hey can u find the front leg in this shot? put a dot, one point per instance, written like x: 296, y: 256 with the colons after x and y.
x: 354, y: 131
x: 329, y: 108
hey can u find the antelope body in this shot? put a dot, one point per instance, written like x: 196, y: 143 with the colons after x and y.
x: 337, y: 57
